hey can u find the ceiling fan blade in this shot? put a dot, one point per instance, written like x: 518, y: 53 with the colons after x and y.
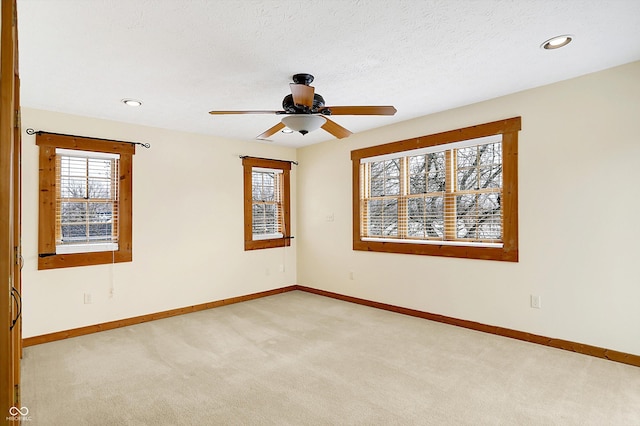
x: 361, y: 110
x: 245, y: 112
x: 302, y: 94
x: 335, y: 129
x: 272, y: 131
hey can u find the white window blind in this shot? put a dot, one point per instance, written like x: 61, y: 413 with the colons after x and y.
x: 267, y: 213
x: 87, y: 201
x: 443, y: 194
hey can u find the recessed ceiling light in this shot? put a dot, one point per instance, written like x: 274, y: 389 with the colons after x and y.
x: 557, y: 42
x: 132, y: 102
x: 287, y: 130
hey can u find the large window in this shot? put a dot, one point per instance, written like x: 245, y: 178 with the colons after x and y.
x: 451, y: 194
x: 85, y: 201
x: 266, y: 203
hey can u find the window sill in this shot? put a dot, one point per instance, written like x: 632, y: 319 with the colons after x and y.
x: 83, y: 259
x: 439, y: 249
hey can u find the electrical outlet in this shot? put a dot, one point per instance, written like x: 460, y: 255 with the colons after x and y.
x: 351, y: 276
x: 330, y: 217
x: 281, y: 267
x: 87, y: 298
x: 536, y: 302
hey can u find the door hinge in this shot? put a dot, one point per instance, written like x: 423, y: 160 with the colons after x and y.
x: 18, y: 120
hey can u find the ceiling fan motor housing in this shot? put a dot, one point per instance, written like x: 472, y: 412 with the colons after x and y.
x: 291, y: 108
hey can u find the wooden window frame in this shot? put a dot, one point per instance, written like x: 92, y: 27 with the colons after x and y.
x: 248, y: 163
x: 47, y: 257
x: 509, y: 251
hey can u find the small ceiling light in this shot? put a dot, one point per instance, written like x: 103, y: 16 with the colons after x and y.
x: 557, y: 42
x: 303, y: 123
x: 132, y: 102
x: 287, y: 130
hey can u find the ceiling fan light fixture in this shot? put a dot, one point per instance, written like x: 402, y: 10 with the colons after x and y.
x: 303, y: 123
x: 557, y: 42
x: 287, y: 130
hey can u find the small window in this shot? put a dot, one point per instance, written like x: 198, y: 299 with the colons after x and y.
x: 451, y: 194
x: 85, y: 201
x: 266, y: 203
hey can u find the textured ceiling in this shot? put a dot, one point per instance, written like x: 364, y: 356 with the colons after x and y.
x: 185, y: 58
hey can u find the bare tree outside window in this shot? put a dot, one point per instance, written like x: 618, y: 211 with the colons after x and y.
x: 87, y: 201
x: 266, y: 200
x: 406, y: 196
x: 478, y: 212
x: 452, y: 194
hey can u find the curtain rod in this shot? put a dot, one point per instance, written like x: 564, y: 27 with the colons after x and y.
x: 270, y: 159
x: 40, y: 132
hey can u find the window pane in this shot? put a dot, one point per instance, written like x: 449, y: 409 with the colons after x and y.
x: 268, y: 179
x: 99, y: 188
x: 73, y: 213
x: 74, y: 233
x: 375, y: 210
x: 479, y: 217
x: 377, y: 169
x: 99, y: 167
x: 383, y: 217
x: 436, y: 162
x: 491, y: 154
x: 392, y: 167
x: 437, y: 182
x: 489, y: 217
x: 418, y: 184
x: 264, y: 186
x: 391, y: 218
x: 100, y: 232
x: 100, y: 212
x: 73, y: 166
x: 392, y: 186
x: 256, y: 186
x: 466, y: 216
x: 467, y: 157
x: 268, y: 193
x: 435, y: 216
x: 270, y: 219
x: 377, y: 187
x: 417, y: 164
x: 416, y: 223
x: 417, y: 176
x: 73, y: 187
x: 491, y: 177
x: 265, y: 219
x: 467, y: 179
x: 425, y: 217
x: 258, y: 218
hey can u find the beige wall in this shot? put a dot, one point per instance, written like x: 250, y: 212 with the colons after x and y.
x: 187, y: 230
x: 579, y: 171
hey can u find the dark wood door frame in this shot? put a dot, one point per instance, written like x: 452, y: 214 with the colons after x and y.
x: 10, y: 192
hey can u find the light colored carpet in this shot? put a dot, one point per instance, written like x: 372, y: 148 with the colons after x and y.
x: 298, y: 358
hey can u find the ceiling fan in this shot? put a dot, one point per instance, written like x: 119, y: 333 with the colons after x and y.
x: 305, y: 111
